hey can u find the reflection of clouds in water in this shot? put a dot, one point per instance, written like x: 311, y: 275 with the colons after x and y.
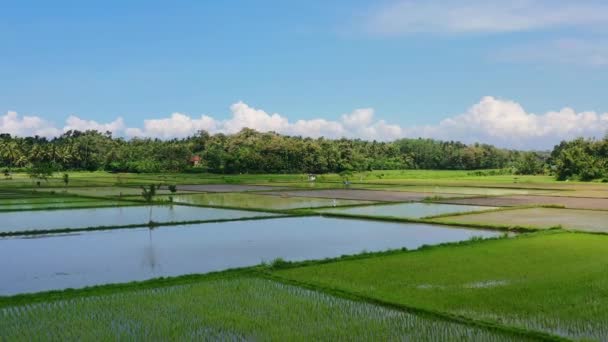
x: 150, y: 258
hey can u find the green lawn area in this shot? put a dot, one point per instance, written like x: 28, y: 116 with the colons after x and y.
x: 225, y: 309
x: 551, y: 282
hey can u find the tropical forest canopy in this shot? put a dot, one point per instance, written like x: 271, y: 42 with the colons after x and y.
x: 250, y: 151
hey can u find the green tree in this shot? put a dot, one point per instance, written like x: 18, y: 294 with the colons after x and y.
x: 529, y: 164
x: 40, y: 171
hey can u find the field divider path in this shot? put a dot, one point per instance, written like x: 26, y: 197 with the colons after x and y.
x: 94, y: 206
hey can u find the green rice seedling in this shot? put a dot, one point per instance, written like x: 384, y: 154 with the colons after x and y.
x: 551, y: 282
x: 226, y: 309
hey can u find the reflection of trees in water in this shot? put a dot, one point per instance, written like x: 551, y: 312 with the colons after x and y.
x: 150, y: 257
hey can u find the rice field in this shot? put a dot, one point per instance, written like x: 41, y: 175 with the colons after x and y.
x: 358, y: 194
x: 43, y: 200
x: 115, y: 217
x: 406, y: 210
x: 551, y: 282
x: 461, y: 190
x: 46, y: 262
x: 225, y: 309
x: 541, y: 218
x: 65, y: 205
x: 248, y: 200
x: 106, y: 191
x: 513, y: 201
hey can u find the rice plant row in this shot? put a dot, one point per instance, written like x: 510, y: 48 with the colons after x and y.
x: 225, y: 309
x: 554, y: 283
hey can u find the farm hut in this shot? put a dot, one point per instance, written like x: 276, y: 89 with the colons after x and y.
x: 195, y: 161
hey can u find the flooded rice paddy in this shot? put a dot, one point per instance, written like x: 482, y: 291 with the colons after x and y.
x: 512, y: 201
x: 248, y: 200
x: 59, y: 261
x: 406, y: 210
x: 583, y: 220
x: 20, y: 221
x: 101, y: 191
x: 354, y: 194
x: 466, y: 190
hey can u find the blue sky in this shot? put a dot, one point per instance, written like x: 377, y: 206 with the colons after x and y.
x: 412, y: 63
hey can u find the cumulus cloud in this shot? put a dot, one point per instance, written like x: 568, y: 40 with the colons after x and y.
x: 492, y: 120
x: 506, y: 123
x: 359, y: 123
x: 13, y: 124
x: 176, y: 126
x: 78, y: 124
x: 484, y: 16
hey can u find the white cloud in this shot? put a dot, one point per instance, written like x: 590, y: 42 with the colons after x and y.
x: 506, y: 123
x: 12, y: 124
x: 176, y: 126
x: 245, y: 116
x: 78, y: 124
x: 495, y: 121
x: 484, y: 16
x: 359, y: 117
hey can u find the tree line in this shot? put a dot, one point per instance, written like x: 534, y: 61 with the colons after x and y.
x: 581, y: 159
x: 249, y: 151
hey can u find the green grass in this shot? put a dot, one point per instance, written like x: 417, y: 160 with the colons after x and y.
x: 553, y: 282
x: 390, y: 177
x: 225, y: 309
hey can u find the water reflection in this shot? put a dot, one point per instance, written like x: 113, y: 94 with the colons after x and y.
x: 150, y: 258
x: 83, y: 218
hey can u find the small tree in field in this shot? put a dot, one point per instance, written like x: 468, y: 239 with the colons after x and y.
x: 40, y: 172
x: 66, y: 179
x: 346, y: 175
x: 148, y: 194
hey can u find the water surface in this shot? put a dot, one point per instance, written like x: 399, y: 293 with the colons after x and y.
x: 31, y: 264
x: 119, y: 216
x: 407, y: 210
x: 247, y: 200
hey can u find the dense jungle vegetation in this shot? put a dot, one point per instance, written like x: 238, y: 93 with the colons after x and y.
x: 253, y: 152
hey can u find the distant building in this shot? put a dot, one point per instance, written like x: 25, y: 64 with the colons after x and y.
x: 195, y: 161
